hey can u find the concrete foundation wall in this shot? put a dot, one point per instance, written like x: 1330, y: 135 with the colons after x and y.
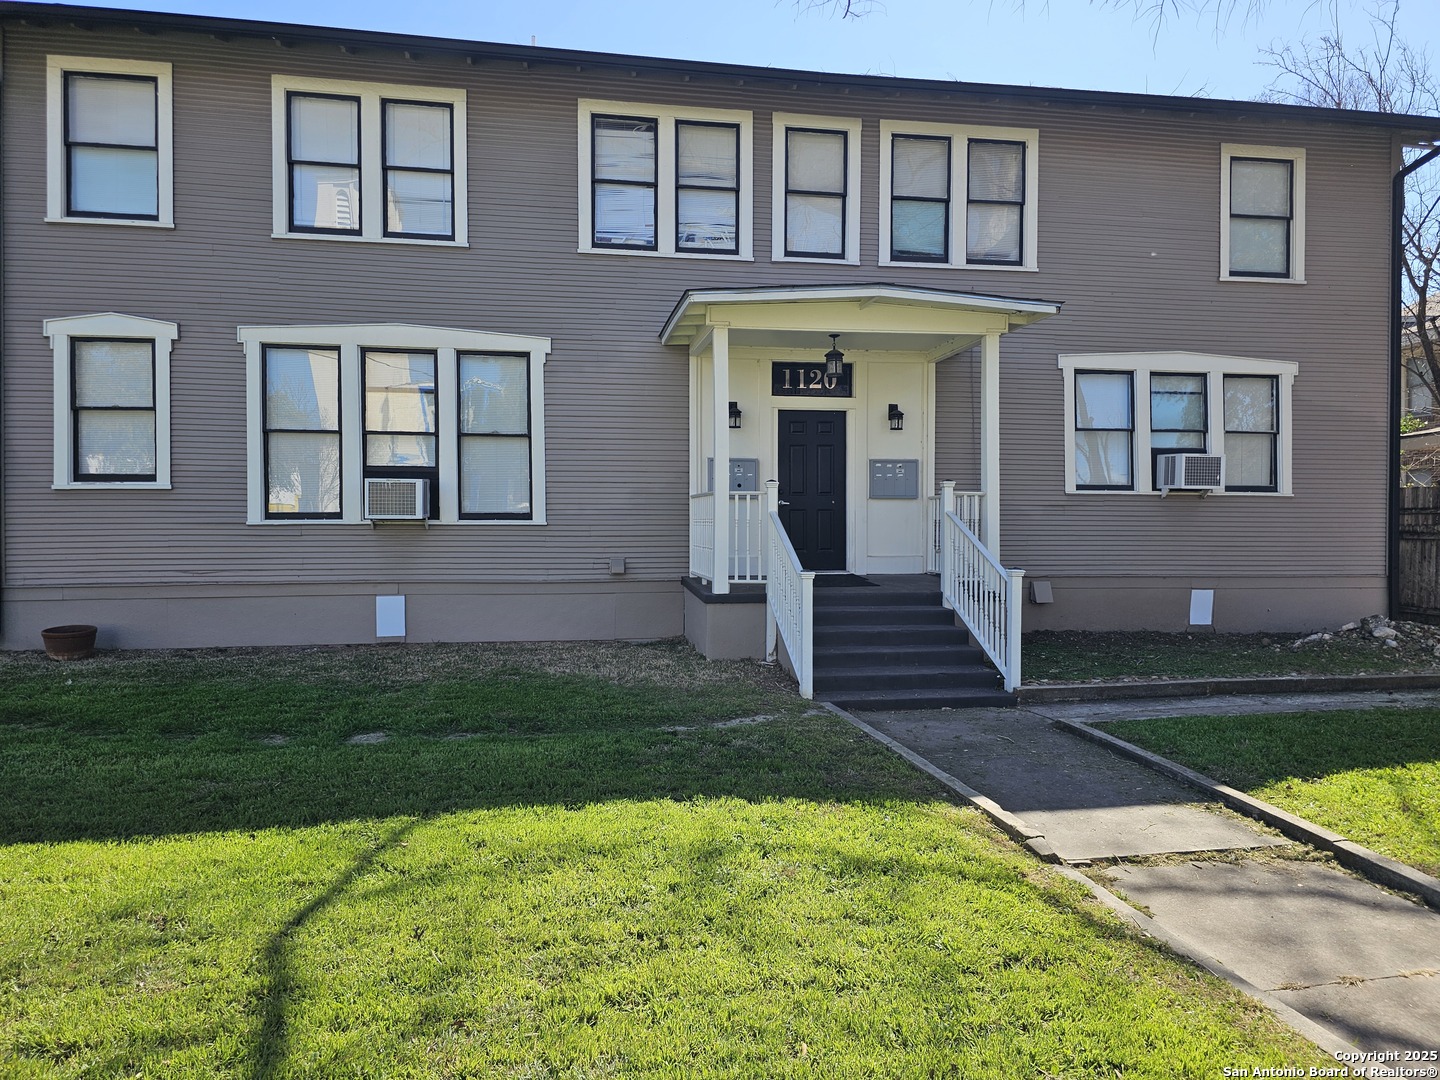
x: 725, y: 631
x: 200, y: 616
x: 1249, y: 604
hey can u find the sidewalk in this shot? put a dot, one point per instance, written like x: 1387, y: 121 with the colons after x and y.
x: 1347, y: 963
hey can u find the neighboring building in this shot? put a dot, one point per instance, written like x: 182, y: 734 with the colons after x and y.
x: 1419, y: 399
x: 249, y: 267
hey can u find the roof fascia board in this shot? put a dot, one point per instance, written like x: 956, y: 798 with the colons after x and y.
x: 1413, y: 126
x: 1021, y: 310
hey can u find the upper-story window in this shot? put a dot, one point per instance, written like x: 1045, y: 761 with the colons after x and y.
x: 112, y: 400
x: 958, y: 196
x: 816, y: 188
x: 109, y: 140
x: 368, y: 161
x: 1262, y: 213
x: 662, y: 180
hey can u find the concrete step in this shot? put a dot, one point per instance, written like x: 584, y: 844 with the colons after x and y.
x: 871, y: 596
x: 845, y: 657
x: 889, y: 637
x: 910, y: 700
x: 901, y: 677
x: 887, y: 615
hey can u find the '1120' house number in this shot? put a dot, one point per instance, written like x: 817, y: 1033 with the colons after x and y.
x: 808, y: 380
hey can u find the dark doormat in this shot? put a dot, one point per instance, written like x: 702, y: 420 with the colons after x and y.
x: 840, y: 581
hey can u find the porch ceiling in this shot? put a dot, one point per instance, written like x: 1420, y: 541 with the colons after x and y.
x: 871, y: 317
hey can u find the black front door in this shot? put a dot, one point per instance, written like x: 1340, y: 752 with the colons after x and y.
x: 812, y: 486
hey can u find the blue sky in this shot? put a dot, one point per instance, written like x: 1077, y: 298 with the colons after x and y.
x: 1070, y: 43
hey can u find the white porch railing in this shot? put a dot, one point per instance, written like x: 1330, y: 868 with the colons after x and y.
x: 747, y: 536
x: 702, y: 536
x: 746, y: 530
x: 983, y: 593
x: 789, y: 599
x: 968, y: 507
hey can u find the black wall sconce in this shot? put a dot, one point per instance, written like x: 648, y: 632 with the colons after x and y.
x: 834, y: 359
x: 897, y: 418
x: 734, y: 414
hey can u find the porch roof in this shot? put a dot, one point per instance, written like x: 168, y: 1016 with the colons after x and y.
x: 876, y: 316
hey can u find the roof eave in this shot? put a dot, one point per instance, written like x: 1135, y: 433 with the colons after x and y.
x: 1421, y: 128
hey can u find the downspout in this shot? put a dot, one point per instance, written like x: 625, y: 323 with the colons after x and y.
x: 1397, y: 374
x: 4, y: 472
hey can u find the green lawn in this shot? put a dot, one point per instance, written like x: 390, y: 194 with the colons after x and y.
x: 1084, y: 656
x: 1372, y: 775
x: 561, y: 862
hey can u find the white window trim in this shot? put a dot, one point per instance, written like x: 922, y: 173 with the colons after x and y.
x: 109, y: 325
x: 1296, y: 156
x: 960, y: 136
x: 783, y: 122
x: 55, y: 165
x: 1215, y: 367
x: 350, y: 339
x: 665, y: 117
x: 372, y: 174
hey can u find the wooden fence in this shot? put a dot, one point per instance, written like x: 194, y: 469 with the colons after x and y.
x: 1420, y: 553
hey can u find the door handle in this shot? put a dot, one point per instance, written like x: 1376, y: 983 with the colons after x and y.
x: 784, y: 502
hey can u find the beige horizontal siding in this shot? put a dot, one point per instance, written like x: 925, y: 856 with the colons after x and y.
x: 1128, y: 240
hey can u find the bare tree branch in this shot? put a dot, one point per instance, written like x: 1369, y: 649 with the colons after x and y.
x: 1384, y: 74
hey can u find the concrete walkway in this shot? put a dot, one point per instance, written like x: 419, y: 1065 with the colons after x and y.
x: 1347, y: 963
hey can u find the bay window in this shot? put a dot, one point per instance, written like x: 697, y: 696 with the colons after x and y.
x: 332, y: 406
x: 1125, y: 410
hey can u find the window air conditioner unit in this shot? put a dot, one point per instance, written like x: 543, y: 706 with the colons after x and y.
x: 397, y: 500
x: 1191, y: 472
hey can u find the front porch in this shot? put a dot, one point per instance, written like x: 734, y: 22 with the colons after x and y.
x: 798, y: 466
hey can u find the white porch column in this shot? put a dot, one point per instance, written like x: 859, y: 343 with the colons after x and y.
x: 720, y: 431
x: 990, y: 440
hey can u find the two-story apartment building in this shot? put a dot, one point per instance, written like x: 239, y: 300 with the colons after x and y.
x: 260, y: 278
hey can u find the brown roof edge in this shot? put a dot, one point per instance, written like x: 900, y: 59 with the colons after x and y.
x: 1414, y: 125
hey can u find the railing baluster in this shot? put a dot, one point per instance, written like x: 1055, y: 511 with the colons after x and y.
x: 983, y: 593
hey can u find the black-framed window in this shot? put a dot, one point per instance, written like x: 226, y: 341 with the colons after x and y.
x: 707, y: 187
x: 920, y: 198
x: 323, y: 153
x: 816, y: 193
x: 112, y: 402
x: 622, y: 182
x: 401, y: 436
x: 112, y: 148
x: 1262, y: 211
x: 302, y: 431
x: 1104, y: 430
x: 1252, y: 432
x: 995, y: 202
x: 494, y: 436
x: 416, y: 141
x: 1179, y: 416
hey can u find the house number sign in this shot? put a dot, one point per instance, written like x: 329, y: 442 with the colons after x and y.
x: 808, y: 380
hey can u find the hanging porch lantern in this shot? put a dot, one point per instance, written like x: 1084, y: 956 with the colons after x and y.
x: 834, y: 359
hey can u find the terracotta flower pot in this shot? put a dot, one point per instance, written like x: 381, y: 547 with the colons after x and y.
x: 69, y: 642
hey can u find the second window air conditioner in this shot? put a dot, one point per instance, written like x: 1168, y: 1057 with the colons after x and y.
x: 1191, y: 472
x: 397, y: 500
